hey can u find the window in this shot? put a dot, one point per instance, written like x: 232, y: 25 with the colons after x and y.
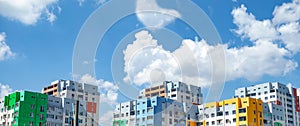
x: 243, y: 118
x: 41, y: 117
x: 31, y: 114
x: 30, y: 123
x: 32, y: 106
x: 242, y: 110
x: 233, y: 112
x: 226, y: 113
x: 212, y: 115
x: 219, y: 113
x: 149, y: 117
x: 42, y: 109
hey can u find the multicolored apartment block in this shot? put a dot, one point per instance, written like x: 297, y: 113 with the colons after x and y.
x: 282, y: 100
x: 63, y: 103
x: 24, y: 108
x: 267, y: 104
x: 82, y: 101
x: 231, y: 112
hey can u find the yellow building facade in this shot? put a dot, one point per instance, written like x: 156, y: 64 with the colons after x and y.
x: 236, y: 111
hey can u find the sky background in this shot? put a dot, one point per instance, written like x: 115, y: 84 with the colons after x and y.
x: 259, y: 39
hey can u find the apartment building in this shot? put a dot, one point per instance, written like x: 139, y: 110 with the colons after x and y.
x: 55, y: 111
x: 236, y: 111
x: 283, y: 101
x: 125, y: 114
x: 154, y: 111
x: 24, y: 108
x: 156, y: 90
x: 180, y: 91
x: 270, y: 119
x: 80, y: 102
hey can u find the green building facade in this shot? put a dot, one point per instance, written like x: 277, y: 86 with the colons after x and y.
x: 119, y: 122
x: 26, y: 108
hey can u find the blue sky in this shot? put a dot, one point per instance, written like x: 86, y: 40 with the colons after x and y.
x: 259, y: 39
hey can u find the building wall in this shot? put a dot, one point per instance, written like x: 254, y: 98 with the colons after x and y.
x: 157, y: 90
x: 75, y: 95
x: 237, y: 111
x: 24, y: 108
x: 55, y: 111
x: 177, y: 91
x: 154, y: 111
x: 278, y: 94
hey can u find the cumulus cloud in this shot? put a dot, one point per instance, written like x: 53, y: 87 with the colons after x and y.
x: 5, y: 51
x: 191, y: 62
x: 5, y: 90
x: 108, y: 90
x: 152, y: 15
x: 98, y: 2
x: 106, y: 118
x: 283, y: 27
x: 27, y: 11
x: 287, y: 13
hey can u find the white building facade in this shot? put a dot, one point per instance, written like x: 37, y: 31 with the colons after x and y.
x: 283, y: 101
x: 80, y: 102
x: 179, y: 91
x: 154, y: 111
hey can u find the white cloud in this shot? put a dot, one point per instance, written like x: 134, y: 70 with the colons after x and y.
x: 107, y: 118
x: 191, y: 62
x: 283, y: 27
x: 87, y: 62
x: 5, y: 52
x: 50, y: 16
x: 5, y: 90
x: 287, y: 13
x: 264, y: 58
x: 27, y: 11
x: 249, y: 27
x: 98, y: 2
x: 152, y: 15
x: 108, y: 90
